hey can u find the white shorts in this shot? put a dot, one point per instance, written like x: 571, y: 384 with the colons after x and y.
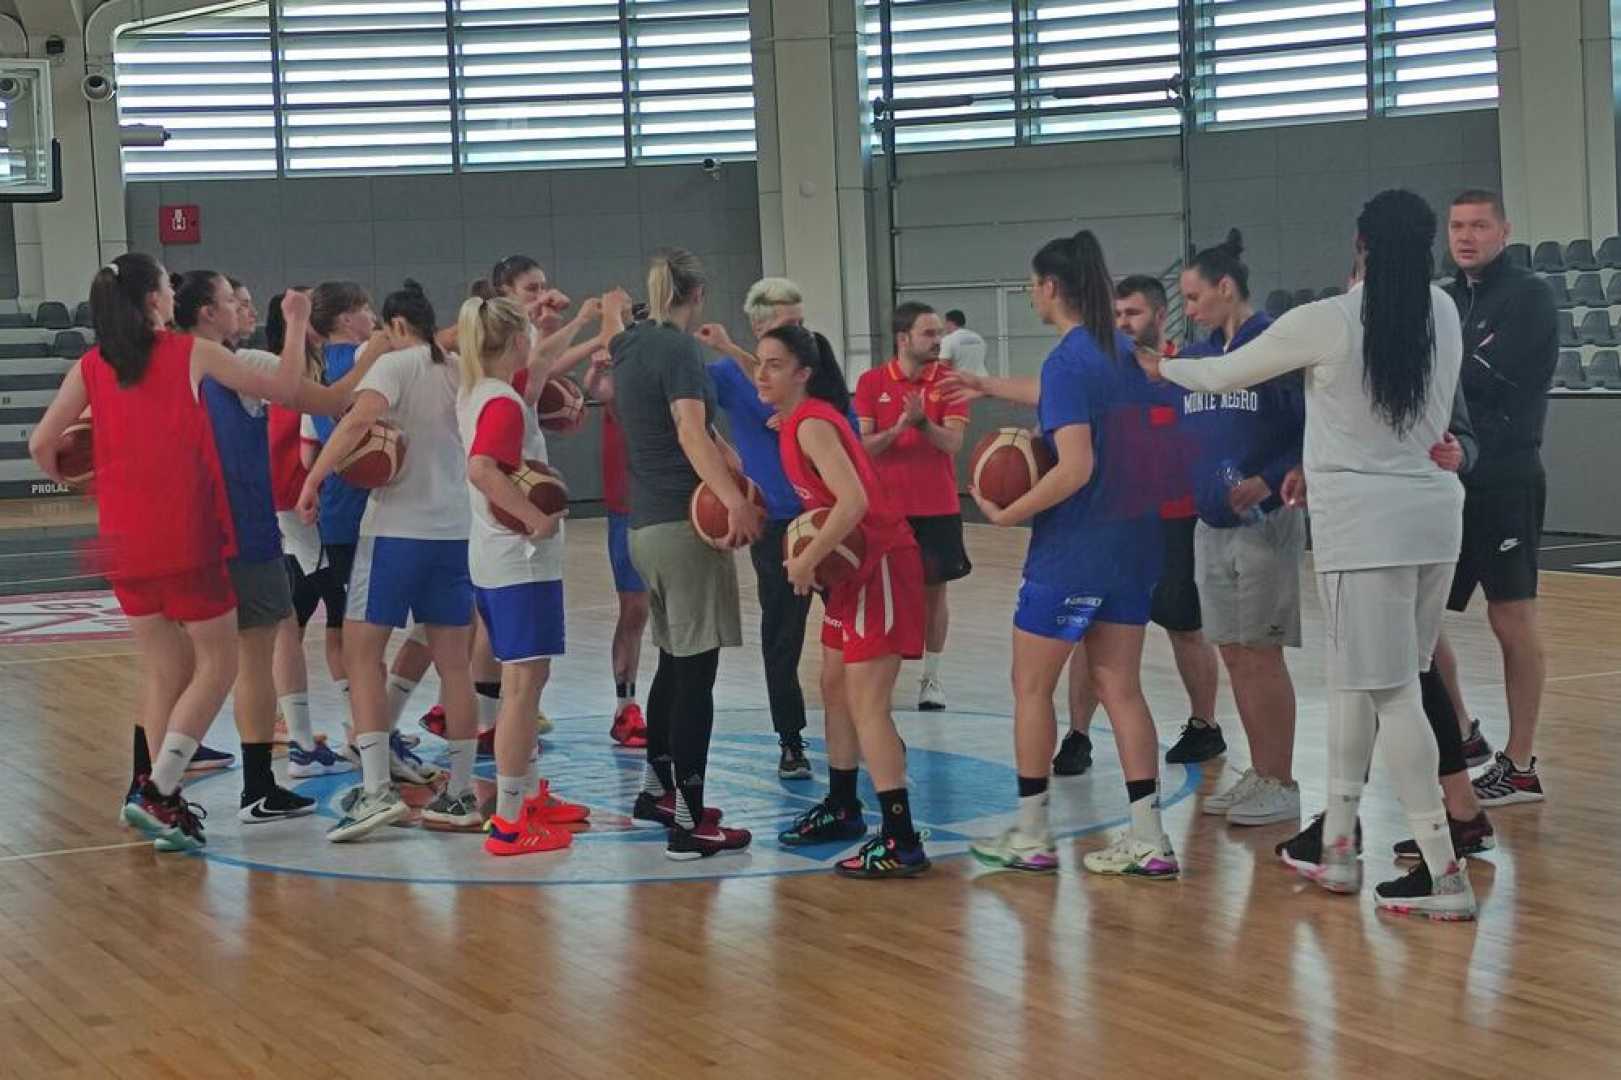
x: 1382, y: 624
x: 1249, y: 580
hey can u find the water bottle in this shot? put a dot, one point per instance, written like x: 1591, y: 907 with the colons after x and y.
x: 1232, y: 477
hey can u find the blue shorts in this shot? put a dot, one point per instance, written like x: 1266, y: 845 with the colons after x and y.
x: 395, y: 580
x: 1065, y: 614
x: 525, y: 621
x: 626, y: 579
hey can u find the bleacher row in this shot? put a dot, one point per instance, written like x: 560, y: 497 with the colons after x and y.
x: 36, y: 351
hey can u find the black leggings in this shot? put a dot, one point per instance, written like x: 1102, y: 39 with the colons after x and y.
x: 1443, y: 720
x: 680, y: 721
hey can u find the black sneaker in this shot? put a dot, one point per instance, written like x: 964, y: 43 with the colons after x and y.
x: 1476, y: 750
x: 1074, y: 755
x: 1306, y: 846
x: 1199, y: 741
x: 793, y: 765
x: 824, y: 823
x: 706, y: 840
x: 275, y: 805
x: 1447, y: 898
x: 1468, y: 838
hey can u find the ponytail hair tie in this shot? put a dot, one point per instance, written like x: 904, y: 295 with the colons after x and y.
x: 111, y: 268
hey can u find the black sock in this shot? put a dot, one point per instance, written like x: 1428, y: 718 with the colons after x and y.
x: 664, y: 769
x: 1141, y: 789
x: 141, y: 756
x: 257, y: 779
x: 897, y: 808
x: 488, y: 689
x: 625, y: 689
x: 841, y: 787
x: 692, y: 722
x: 1031, y: 785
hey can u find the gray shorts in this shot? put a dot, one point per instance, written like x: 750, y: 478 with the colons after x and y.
x: 1249, y: 580
x: 263, y: 596
x: 692, y: 589
x: 1382, y: 624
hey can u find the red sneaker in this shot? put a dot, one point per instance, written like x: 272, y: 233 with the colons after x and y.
x: 629, y: 728
x: 525, y: 837
x: 433, y: 721
x: 547, y: 809
x: 486, y: 743
x: 706, y: 840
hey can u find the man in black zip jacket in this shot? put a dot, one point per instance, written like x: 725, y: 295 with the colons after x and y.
x: 1510, y: 345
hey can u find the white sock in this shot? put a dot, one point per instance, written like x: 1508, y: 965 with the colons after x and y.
x: 1352, y: 726
x: 173, y: 757
x: 510, y: 792
x: 374, y: 762
x: 462, y: 754
x: 1033, y: 815
x: 1409, y: 754
x: 1145, y: 821
x: 931, y: 665
x: 399, y: 692
x: 295, y: 709
x: 488, y: 709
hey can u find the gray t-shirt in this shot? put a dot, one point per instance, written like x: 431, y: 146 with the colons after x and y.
x: 654, y: 366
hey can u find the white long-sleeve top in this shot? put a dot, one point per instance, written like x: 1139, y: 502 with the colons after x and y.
x: 1376, y: 498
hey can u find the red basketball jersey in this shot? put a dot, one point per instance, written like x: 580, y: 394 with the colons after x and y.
x: 884, y: 528
x: 287, y: 471
x: 160, y: 491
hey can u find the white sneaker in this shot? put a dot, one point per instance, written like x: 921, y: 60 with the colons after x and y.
x: 1223, y: 801
x: 931, y: 696
x: 363, y: 813
x: 1128, y: 856
x: 406, y: 767
x: 1269, y: 802
x: 1016, y: 850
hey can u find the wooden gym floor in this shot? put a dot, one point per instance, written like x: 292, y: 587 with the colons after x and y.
x: 116, y: 961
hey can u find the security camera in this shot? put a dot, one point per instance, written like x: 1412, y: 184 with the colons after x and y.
x: 712, y: 167
x: 98, y: 87
x: 10, y: 89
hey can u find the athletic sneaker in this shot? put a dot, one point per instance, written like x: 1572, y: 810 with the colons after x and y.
x: 629, y: 728
x: 207, y: 759
x: 276, y: 805
x: 1449, y: 898
x: 1223, y: 801
x: 363, y: 813
x: 1074, y: 755
x: 526, y: 836
x: 1016, y: 850
x: 486, y: 744
x: 1504, y: 785
x: 661, y: 810
x: 548, y: 809
x: 1131, y: 857
x: 1307, y: 845
x: 884, y: 857
x: 793, y: 764
x: 931, y: 696
x: 433, y: 721
x: 320, y: 761
x: 1199, y: 741
x: 406, y: 767
x: 1476, y: 750
x: 706, y: 840
x: 453, y: 813
x: 133, y: 795
x: 825, y: 823
x: 1269, y: 802
x: 1336, y: 867
x: 173, y: 823
x: 1468, y: 838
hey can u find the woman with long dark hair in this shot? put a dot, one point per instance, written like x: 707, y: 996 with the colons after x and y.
x: 1381, y: 367
x: 1095, y: 553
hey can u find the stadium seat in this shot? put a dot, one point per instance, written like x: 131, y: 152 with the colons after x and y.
x: 10, y: 321
x: 1549, y: 258
x: 1566, y: 369
x: 1596, y: 329
x: 69, y: 344
x: 1588, y: 291
x: 1519, y: 255
x: 1579, y: 256
x: 1609, y: 253
x: 1303, y: 296
x: 1605, y: 369
x: 1561, y: 294
x: 1567, y: 331
x: 53, y: 316
x: 1277, y: 302
x: 82, y: 315
x: 1612, y: 289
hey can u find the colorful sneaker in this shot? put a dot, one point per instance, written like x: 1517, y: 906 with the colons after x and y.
x: 1269, y: 802
x: 543, y: 723
x: 629, y: 727
x: 1015, y: 850
x: 406, y: 767
x: 931, y: 697
x: 1199, y: 741
x: 277, y: 805
x: 133, y: 795
x: 1130, y: 857
x: 1448, y: 898
x: 707, y: 839
x: 661, y: 810
x: 1074, y: 755
x: 548, y: 809
x: 526, y: 836
x: 1306, y: 846
x: 1504, y: 785
x: 433, y: 721
x: 1223, y: 801
x: 1468, y: 838
x: 207, y: 759
x: 363, y: 813
x: 1337, y: 868
x: 453, y: 813
x: 170, y: 821
x: 825, y: 823
x: 884, y: 857
x: 1476, y: 750
x: 320, y: 761
x: 793, y: 764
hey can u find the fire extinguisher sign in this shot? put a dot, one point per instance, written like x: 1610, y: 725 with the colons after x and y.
x: 180, y: 224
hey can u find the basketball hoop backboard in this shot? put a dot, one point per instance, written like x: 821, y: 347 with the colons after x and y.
x: 31, y: 163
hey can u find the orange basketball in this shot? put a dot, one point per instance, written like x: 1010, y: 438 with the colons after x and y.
x: 561, y: 404
x: 843, y: 561
x: 542, y: 485
x: 708, y: 514
x: 1007, y: 463
x: 377, y: 461
x: 74, y: 457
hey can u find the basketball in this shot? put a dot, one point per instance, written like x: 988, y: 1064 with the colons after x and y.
x: 840, y: 563
x: 542, y: 486
x: 708, y: 514
x: 1007, y: 463
x: 561, y: 404
x: 377, y: 461
x: 74, y: 459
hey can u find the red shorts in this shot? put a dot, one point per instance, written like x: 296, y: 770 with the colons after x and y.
x: 191, y: 596
x: 880, y: 615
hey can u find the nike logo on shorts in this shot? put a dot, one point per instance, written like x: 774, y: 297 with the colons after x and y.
x: 1508, y: 545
